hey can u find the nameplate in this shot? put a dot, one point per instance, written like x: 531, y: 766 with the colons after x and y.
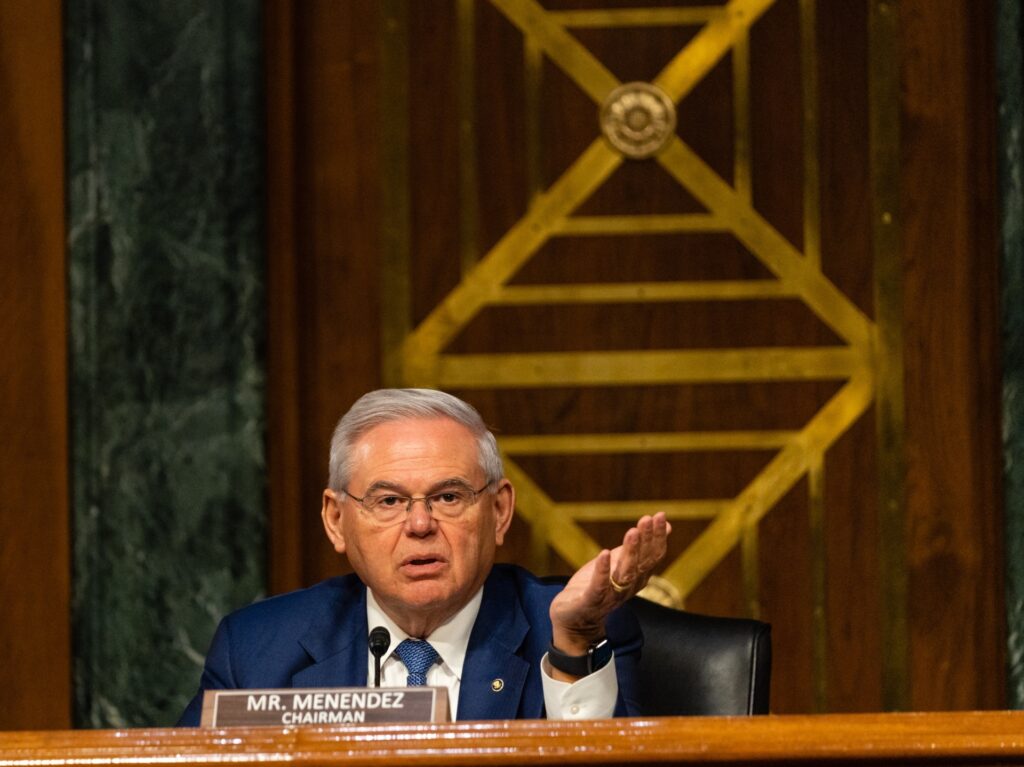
x: 324, y: 706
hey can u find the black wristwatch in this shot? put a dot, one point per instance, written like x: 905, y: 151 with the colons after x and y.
x: 598, y: 655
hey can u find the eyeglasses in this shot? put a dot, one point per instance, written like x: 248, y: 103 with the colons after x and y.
x: 385, y: 508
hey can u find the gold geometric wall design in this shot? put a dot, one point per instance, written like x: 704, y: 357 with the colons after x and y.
x: 733, y: 521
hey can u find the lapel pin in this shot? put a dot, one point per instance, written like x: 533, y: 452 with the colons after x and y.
x: 497, y: 685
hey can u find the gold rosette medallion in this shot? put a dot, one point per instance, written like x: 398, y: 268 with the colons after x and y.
x: 638, y: 119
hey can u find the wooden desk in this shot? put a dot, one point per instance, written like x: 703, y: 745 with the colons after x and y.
x: 959, y: 738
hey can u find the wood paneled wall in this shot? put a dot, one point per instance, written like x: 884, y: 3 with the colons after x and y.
x: 322, y: 61
x: 327, y: 225
x: 329, y: 123
x: 954, y: 506
x: 35, y: 647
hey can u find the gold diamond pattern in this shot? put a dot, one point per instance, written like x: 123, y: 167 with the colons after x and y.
x: 731, y: 521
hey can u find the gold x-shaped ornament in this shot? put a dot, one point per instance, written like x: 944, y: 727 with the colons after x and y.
x: 555, y: 524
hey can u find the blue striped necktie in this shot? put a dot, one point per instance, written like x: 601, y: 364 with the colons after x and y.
x: 418, y: 656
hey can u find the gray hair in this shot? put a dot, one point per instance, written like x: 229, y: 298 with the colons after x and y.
x: 385, y: 405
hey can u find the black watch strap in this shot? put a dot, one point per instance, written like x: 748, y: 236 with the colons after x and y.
x: 598, y: 655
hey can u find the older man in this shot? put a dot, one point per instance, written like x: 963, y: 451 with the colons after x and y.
x: 419, y: 504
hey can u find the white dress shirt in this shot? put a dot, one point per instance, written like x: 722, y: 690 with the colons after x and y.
x: 592, y: 697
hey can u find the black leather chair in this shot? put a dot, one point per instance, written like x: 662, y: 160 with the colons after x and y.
x: 699, y: 665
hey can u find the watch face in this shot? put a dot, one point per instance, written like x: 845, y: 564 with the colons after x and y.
x: 599, y: 655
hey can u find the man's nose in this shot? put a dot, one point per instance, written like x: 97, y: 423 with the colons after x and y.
x: 419, y: 520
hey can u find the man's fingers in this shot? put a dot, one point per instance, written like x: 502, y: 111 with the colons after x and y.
x: 644, y: 562
x: 625, y: 571
x: 643, y: 547
x: 618, y: 577
x: 646, y: 528
x: 662, y: 529
x: 603, y: 561
x: 651, y: 545
x: 602, y: 573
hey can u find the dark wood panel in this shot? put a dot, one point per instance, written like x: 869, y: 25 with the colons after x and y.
x: 324, y: 336
x: 853, y: 646
x: 853, y: 595
x: 284, y: 384
x: 35, y: 673
x: 951, y: 305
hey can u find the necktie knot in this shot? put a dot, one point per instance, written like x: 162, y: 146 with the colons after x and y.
x: 418, y: 656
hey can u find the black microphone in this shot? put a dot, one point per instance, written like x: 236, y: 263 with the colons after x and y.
x: 380, y: 641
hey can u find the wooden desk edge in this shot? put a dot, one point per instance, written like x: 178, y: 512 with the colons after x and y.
x: 936, y: 738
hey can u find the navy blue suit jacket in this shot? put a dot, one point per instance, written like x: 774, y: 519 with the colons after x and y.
x: 317, y: 637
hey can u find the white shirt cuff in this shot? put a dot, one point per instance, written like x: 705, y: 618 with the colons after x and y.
x: 591, y: 697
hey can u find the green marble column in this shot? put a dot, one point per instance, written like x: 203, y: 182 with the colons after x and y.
x: 1010, y: 68
x: 164, y: 128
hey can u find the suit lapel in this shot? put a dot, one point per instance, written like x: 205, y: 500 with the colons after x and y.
x: 494, y: 676
x: 337, y: 645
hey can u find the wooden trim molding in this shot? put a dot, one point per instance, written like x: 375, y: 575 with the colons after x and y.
x: 951, y: 738
x: 35, y: 570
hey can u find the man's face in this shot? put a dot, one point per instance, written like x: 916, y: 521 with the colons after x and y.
x: 423, y: 567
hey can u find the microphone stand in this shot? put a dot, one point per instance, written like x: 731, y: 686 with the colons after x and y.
x: 379, y: 642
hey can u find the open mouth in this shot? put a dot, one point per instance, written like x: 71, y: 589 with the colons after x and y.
x: 425, y: 565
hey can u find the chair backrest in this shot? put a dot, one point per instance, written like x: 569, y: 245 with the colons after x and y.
x: 699, y: 665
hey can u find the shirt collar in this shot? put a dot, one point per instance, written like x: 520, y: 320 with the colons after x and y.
x: 450, y: 639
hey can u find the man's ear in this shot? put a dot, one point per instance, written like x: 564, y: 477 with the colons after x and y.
x: 504, y: 505
x: 331, y: 515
